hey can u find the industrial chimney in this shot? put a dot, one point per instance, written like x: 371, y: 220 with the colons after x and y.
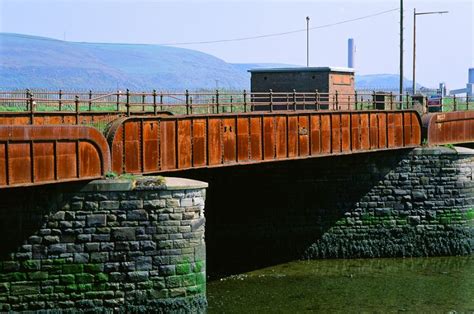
x: 350, y: 53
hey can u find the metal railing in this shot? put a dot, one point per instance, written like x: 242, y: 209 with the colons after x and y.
x: 130, y: 103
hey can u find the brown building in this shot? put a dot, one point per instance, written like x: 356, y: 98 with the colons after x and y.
x: 326, y: 80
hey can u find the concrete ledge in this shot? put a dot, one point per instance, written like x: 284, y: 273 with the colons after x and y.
x: 442, y: 150
x: 173, y: 183
x: 143, y: 183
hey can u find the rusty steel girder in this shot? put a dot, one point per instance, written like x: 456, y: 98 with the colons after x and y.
x: 169, y: 143
x: 448, y: 127
x: 33, y: 155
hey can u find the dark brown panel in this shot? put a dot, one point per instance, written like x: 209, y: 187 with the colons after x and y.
x: 355, y: 132
x: 281, y: 136
x: 292, y: 136
x: 382, y: 130
x: 256, y: 147
x: 168, y: 144
x: 66, y: 160
x: 268, y: 137
x: 184, y: 144
x: 150, y: 154
x: 326, y: 134
x: 132, y: 147
x: 199, y: 142
x: 19, y: 163
x: 44, y: 161
x: 303, y: 135
x: 229, y: 140
x: 336, y: 133
x: 315, y: 135
x: 345, y: 132
x: 215, y: 141
x: 89, y: 161
x: 243, y: 139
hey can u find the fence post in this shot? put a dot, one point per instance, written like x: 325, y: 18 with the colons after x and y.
x: 408, y: 102
x: 454, y: 103
x: 161, y: 101
x: 60, y: 99
x: 245, y: 100
x: 217, y: 100
x: 76, y: 105
x: 32, y: 108
x: 127, y: 103
x: 391, y: 100
x: 143, y: 101
x: 28, y: 95
x: 316, y: 107
x: 231, y: 104
x: 355, y: 99
x: 270, y: 93
x: 337, y: 100
x: 373, y: 100
x: 294, y: 99
x: 118, y: 100
x: 90, y: 102
x: 191, y: 104
x: 154, y: 102
x: 187, y: 101
x: 467, y: 102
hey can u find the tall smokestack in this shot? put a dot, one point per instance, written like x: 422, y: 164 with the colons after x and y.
x: 350, y: 53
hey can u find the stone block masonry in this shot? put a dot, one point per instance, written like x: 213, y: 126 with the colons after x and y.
x: 108, y: 246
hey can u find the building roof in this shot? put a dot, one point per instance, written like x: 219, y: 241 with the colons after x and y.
x: 302, y: 69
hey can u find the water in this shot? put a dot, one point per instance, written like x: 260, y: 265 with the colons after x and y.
x: 427, y: 285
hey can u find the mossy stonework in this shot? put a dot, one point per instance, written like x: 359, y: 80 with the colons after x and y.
x: 111, y: 245
x: 422, y: 207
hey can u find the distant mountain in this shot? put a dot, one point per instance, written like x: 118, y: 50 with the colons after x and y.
x: 39, y: 62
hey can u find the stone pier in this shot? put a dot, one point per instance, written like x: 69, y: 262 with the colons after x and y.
x: 111, y: 245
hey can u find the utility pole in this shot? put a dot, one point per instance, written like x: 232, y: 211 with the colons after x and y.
x: 401, y: 49
x: 414, y: 40
x: 307, y: 41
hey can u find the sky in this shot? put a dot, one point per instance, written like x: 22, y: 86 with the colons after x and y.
x: 445, y: 43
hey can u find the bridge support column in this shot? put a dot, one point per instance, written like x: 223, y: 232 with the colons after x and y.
x: 112, y: 245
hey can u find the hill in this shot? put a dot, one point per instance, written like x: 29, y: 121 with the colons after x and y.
x: 44, y: 63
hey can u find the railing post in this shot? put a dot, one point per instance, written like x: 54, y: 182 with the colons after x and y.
x: 231, y: 104
x: 373, y: 100
x: 294, y: 99
x: 155, y: 109
x: 28, y: 95
x: 127, y: 103
x: 118, y: 100
x: 270, y: 94
x: 191, y: 104
x: 76, y: 105
x: 337, y: 100
x: 316, y: 107
x: 32, y: 109
x: 90, y: 102
x: 391, y: 100
x: 467, y: 101
x: 408, y: 102
x: 454, y: 103
x: 355, y: 98
x: 245, y: 100
x: 161, y: 101
x: 60, y: 99
x: 217, y: 100
x: 143, y: 101
x: 187, y: 101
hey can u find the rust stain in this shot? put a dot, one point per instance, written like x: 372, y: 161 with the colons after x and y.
x: 32, y: 155
x: 198, y: 141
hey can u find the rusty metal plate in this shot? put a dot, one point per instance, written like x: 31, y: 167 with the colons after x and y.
x: 170, y: 143
x: 449, y: 127
x: 33, y: 155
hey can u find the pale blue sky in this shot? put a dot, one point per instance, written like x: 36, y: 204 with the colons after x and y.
x: 445, y: 45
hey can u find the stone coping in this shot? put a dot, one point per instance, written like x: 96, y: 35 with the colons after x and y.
x: 442, y: 150
x: 142, y: 183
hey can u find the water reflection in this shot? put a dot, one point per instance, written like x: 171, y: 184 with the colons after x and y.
x: 441, y: 284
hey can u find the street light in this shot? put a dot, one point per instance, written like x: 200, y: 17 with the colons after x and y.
x: 414, y: 39
x: 307, y: 41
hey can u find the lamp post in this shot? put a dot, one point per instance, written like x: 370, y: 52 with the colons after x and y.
x: 415, y: 14
x: 307, y: 41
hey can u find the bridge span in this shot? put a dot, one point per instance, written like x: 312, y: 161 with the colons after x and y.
x: 57, y: 138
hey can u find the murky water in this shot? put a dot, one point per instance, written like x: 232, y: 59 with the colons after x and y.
x: 425, y: 285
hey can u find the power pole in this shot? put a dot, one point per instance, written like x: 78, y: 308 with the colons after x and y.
x: 307, y: 41
x: 401, y: 49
